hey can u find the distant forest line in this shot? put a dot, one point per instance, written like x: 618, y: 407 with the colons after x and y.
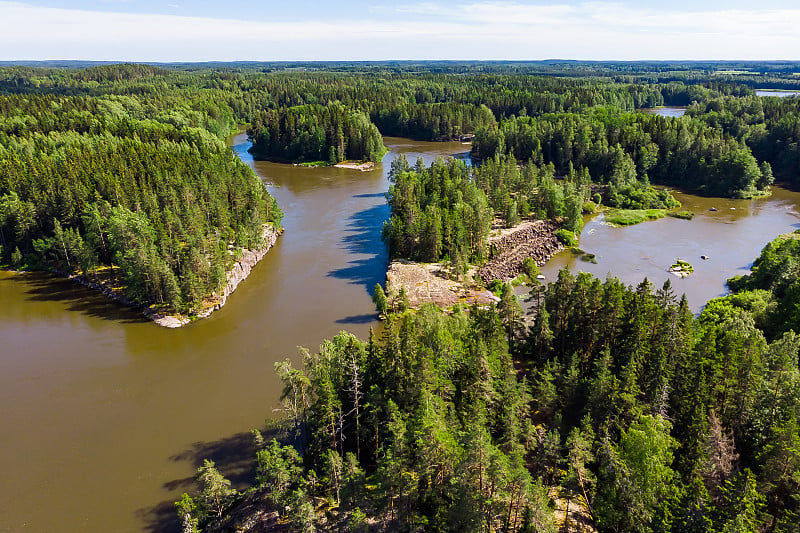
x: 75, y: 140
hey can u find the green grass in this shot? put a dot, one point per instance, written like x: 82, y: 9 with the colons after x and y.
x: 685, y: 215
x: 629, y: 217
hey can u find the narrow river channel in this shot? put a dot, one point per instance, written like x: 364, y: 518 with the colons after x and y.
x: 106, y: 416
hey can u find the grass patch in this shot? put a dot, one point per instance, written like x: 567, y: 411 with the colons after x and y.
x: 629, y: 217
x: 685, y: 215
x: 314, y: 164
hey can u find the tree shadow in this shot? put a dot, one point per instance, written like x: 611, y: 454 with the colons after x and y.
x: 233, y: 456
x: 358, y: 319
x: 363, y: 237
x: 44, y: 287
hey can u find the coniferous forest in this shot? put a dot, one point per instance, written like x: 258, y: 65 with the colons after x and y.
x: 616, y: 406
x: 607, y: 408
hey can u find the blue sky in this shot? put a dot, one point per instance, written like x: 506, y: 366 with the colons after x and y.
x: 205, y: 30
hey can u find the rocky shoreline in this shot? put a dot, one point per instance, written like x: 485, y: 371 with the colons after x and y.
x: 534, y: 239
x: 433, y: 283
x: 363, y: 166
x: 238, y: 273
x: 241, y: 269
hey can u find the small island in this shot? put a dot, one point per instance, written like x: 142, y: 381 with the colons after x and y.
x: 681, y: 268
x: 317, y: 135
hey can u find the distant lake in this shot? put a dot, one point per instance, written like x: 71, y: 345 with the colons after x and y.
x: 666, y: 111
x: 776, y: 92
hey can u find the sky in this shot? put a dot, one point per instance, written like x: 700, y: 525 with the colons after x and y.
x: 293, y: 30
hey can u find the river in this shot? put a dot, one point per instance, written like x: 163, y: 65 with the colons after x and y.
x: 731, y: 233
x: 780, y: 93
x: 106, y: 416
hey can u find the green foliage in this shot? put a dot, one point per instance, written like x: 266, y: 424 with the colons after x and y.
x: 276, y: 470
x: 631, y: 410
x: 777, y: 271
x: 128, y: 181
x: 436, y: 212
x: 637, y: 476
x: 629, y: 217
x: 379, y: 298
x: 187, y: 510
x: 530, y: 268
x: 216, y: 493
x: 331, y: 133
x: 16, y: 256
x: 566, y: 237
x: 685, y: 215
x: 768, y: 126
x: 623, y: 149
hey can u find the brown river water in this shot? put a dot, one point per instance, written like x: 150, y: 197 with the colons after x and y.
x: 731, y: 237
x: 106, y: 416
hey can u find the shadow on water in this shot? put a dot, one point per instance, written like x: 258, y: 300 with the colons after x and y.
x: 371, y: 195
x: 358, y: 319
x: 49, y: 288
x: 234, y: 458
x: 363, y: 237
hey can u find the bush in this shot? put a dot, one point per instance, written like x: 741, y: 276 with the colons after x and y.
x: 530, y: 268
x: 566, y: 237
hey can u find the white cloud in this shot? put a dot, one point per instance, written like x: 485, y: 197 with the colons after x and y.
x: 477, y: 30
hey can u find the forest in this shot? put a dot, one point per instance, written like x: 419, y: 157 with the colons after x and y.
x: 618, y: 147
x: 310, y: 133
x: 617, y: 407
x: 121, y: 190
x: 609, y: 407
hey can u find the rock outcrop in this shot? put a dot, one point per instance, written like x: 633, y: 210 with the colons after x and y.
x: 431, y: 283
x: 240, y: 270
x: 511, y: 247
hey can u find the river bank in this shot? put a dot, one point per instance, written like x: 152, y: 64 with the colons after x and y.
x: 237, y: 273
x: 437, y: 283
x: 434, y: 283
x: 535, y: 239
